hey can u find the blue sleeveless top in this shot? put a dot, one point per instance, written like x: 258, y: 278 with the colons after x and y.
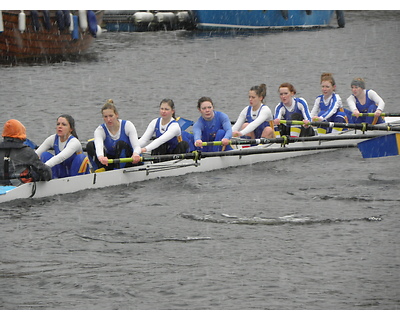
x: 172, y: 144
x: 364, y: 108
x: 257, y: 131
x: 56, y: 146
x: 110, y: 143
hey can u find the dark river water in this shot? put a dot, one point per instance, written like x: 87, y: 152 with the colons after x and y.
x: 313, y: 232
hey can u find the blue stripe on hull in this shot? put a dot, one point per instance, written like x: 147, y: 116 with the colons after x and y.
x: 258, y: 19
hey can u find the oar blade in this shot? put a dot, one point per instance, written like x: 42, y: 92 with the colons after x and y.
x: 184, y: 123
x: 384, y: 146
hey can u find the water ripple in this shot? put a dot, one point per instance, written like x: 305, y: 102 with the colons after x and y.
x: 273, y: 221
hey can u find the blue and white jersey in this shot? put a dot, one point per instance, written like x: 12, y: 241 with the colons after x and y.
x: 298, y: 106
x: 326, y: 109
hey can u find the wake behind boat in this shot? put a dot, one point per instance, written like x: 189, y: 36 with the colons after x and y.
x: 187, y: 163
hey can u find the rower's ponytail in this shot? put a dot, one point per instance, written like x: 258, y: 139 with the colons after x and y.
x: 260, y: 90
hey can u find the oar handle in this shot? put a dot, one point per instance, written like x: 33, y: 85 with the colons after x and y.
x: 232, y: 142
x: 212, y: 143
x: 195, y: 155
x: 295, y: 122
x: 122, y: 160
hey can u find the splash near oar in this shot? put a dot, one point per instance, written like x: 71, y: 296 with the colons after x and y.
x: 387, y: 145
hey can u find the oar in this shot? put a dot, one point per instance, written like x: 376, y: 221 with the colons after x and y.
x: 292, y: 139
x: 164, y: 157
x: 361, y: 126
x: 240, y: 152
x: 387, y: 145
x: 384, y: 114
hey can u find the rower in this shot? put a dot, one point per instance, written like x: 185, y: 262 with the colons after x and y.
x: 254, y: 120
x: 113, y: 139
x: 68, y: 159
x: 167, y: 131
x: 328, y: 106
x: 365, y: 101
x: 211, y: 126
x: 291, y: 108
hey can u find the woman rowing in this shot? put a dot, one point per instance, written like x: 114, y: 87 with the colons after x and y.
x: 254, y: 120
x: 211, y: 126
x: 113, y: 139
x: 167, y: 132
x: 291, y: 108
x: 328, y: 106
x: 68, y: 158
x: 365, y: 101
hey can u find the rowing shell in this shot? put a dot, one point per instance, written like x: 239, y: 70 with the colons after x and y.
x: 172, y: 168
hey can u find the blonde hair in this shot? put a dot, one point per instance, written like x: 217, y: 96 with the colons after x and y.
x: 109, y: 105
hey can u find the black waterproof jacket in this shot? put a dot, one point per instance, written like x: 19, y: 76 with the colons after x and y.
x: 19, y: 163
